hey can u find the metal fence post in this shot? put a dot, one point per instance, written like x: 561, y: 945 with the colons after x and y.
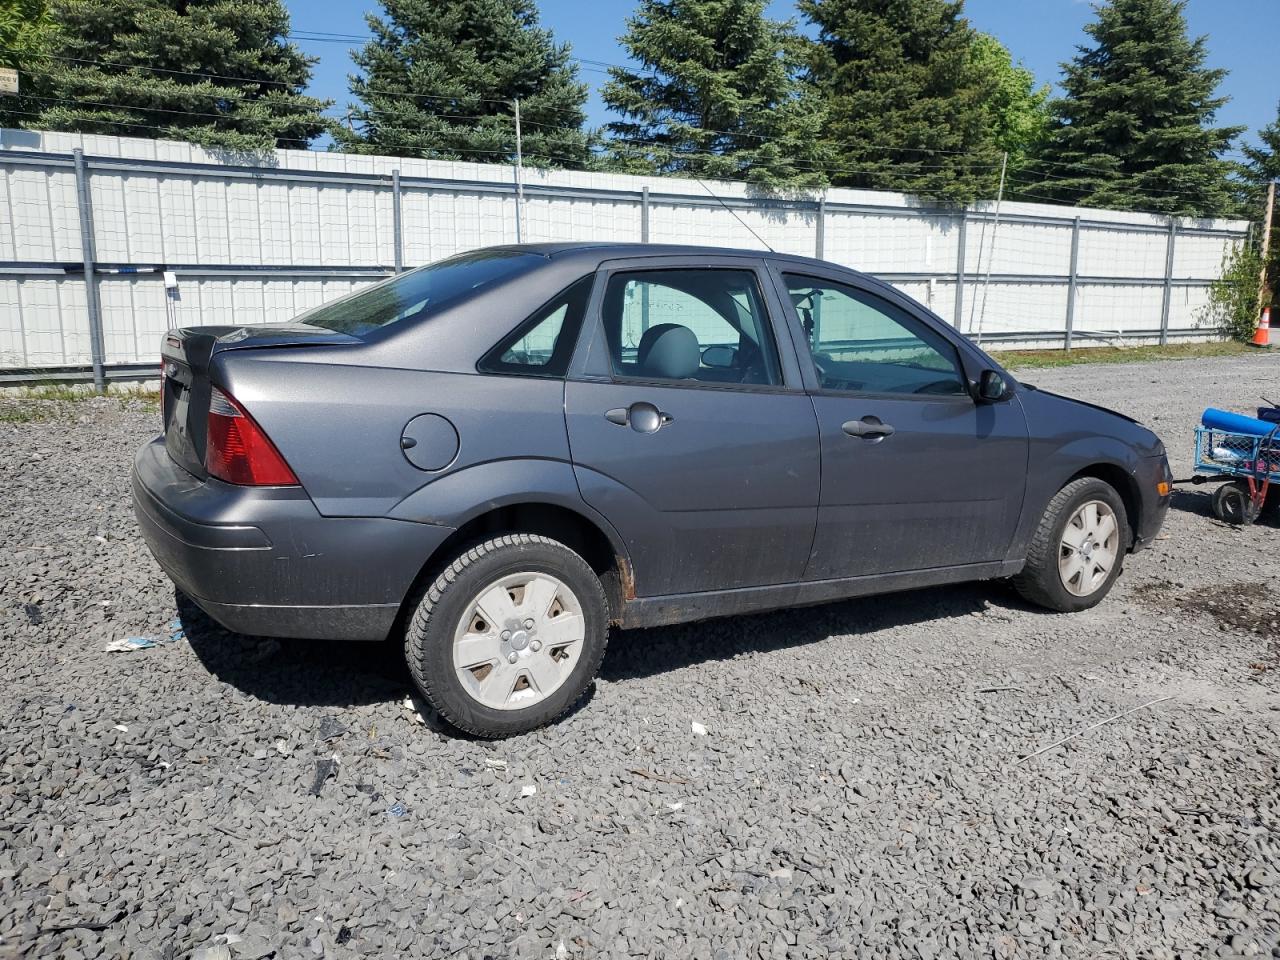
x: 964, y: 229
x: 644, y: 214
x: 1072, y: 283
x: 1168, y: 282
x: 397, y: 219
x: 820, y: 233
x: 88, y: 255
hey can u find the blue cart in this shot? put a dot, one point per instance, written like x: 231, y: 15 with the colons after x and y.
x: 1248, y: 463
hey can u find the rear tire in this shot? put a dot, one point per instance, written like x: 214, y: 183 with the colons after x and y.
x: 1232, y: 503
x: 1084, y: 529
x: 509, y: 636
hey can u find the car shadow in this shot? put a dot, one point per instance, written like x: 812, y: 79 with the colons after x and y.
x: 297, y: 672
x: 331, y: 673
x: 312, y: 673
x: 641, y: 653
x: 1196, y: 500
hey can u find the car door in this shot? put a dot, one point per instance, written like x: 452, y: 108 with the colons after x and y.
x: 689, y: 428
x: 916, y: 473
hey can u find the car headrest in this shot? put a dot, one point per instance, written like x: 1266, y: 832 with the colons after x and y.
x: 670, y: 351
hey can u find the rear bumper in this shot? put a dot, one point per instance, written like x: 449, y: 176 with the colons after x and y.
x: 1151, y: 472
x: 263, y: 560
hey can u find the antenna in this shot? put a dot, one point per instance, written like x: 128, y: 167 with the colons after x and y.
x: 735, y: 216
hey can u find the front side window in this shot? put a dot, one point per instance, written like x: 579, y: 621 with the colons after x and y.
x: 703, y: 325
x: 543, y: 344
x: 419, y: 293
x: 864, y: 344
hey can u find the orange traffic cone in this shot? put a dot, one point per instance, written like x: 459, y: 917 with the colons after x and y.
x: 1262, y: 335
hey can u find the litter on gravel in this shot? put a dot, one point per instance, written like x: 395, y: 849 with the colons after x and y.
x: 130, y: 644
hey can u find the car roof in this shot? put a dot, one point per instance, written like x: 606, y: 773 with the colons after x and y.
x: 598, y: 252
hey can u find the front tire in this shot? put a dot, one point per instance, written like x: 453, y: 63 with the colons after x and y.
x: 509, y: 636
x: 1077, y: 551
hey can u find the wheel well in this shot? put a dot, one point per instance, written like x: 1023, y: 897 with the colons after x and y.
x: 575, y: 531
x: 1119, y: 480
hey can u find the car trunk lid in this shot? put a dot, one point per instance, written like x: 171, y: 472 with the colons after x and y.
x: 187, y: 355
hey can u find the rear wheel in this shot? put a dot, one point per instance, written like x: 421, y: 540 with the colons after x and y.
x: 508, y: 637
x: 1077, y: 551
x: 1232, y: 503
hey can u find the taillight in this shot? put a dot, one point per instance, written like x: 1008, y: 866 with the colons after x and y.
x: 237, y: 450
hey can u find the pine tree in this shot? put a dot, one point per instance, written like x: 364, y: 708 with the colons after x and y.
x: 1135, y: 130
x: 718, y: 96
x: 26, y: 30
x: 906, y: 107
x: 217, y: 72
x: 440, y: 77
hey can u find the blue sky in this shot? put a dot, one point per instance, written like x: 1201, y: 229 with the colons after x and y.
x: 1041, y: 33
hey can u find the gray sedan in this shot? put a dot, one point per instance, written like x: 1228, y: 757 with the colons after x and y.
x: 500, y: 455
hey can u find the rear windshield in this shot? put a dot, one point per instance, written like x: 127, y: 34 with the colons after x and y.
x: 418, y: 293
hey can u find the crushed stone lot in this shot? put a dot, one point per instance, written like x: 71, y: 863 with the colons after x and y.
x: 857, y: 791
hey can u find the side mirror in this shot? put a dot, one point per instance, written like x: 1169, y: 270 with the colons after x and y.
x: 720, y: 357
x: 992, y: 387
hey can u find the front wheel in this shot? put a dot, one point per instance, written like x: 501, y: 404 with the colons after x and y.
x: 1077, y: 551
x: 509, y: 636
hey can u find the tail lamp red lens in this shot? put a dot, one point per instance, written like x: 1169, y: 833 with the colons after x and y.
x: 236, y: 449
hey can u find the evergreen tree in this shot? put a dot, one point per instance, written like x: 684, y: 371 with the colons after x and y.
x: 26, y: 30
x: 1135, y: 130
x: 142, y: 68
x: 440, y: 76
x: 719, y: 95
x: 906, y: 107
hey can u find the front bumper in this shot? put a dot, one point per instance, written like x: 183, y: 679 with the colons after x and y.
x: 1151, y: 472
x: 263, y: 560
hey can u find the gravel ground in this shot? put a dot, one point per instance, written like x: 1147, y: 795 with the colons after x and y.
x: 857, y: 790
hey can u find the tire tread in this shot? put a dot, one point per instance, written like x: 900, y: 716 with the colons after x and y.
x: 417, y: 630
x: 1042, y: 551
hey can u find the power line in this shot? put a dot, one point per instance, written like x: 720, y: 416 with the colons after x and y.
x: 802, y: 165
x: 545, y: 154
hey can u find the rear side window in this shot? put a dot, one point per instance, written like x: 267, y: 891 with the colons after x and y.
x: 543, y: 344
x: 419, y: 293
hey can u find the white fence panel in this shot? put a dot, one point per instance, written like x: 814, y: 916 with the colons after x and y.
x: 261, y: 240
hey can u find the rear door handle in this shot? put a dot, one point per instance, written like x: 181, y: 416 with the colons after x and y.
x: 869, y: 428
x: 642, y: 417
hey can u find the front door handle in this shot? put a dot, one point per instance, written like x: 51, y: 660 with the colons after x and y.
x: 869, y: 428
x: 642, y: 417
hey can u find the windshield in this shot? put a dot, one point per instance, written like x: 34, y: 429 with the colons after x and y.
x: 419, y: 293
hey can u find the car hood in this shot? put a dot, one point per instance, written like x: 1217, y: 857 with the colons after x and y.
x: 1081, y: 403
x: 1054, y: 415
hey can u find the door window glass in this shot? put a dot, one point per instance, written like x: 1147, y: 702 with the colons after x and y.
x: 864, y: 344
x: 702, y: 325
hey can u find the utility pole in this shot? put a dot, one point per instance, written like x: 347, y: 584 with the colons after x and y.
x: 1266, y: 245
x: 519, y: 171
x: 995, y: 227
